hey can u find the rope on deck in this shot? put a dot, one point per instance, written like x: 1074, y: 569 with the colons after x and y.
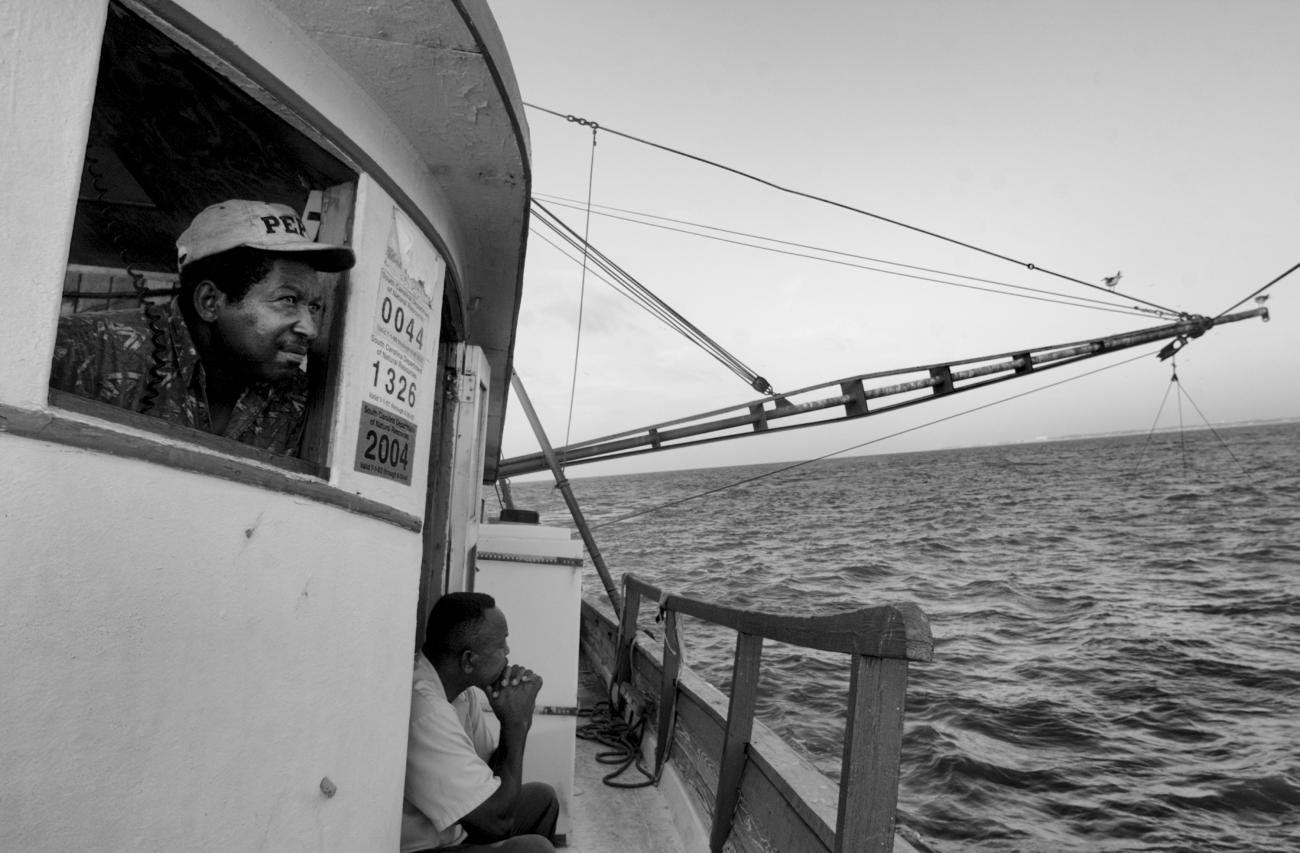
x: 623, y: 736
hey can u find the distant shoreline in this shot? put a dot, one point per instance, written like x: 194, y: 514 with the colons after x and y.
x: 1121, y: 433
x: 1096, y: 435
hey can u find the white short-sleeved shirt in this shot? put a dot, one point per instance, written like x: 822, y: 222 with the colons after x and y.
x: 447, y: 775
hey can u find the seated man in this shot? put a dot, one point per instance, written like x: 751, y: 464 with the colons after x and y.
x: 228, y: 357
x: 465, y: 752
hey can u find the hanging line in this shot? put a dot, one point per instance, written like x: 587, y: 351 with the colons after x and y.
x: 1151, y: 432
x: 1175, y: 382
x: 1182, y: 431
x: 1258, y: 292
x: 639, y: 293
x: 811, y: 197
x: 876, y: 440
x: 582, y: 289
x: 1182, y: 389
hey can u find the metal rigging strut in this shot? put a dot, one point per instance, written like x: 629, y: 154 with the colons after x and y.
x: 856, y: 399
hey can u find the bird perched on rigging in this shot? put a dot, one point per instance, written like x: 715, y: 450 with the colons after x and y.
x: 1261, y: 299
x: 1112, y: 280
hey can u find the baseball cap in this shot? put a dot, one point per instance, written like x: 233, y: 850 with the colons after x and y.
x: 257, y: 225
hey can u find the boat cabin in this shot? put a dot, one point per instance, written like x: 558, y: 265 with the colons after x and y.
x: 208, y: 645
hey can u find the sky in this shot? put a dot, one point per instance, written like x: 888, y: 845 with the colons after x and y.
x: 1157, y: 138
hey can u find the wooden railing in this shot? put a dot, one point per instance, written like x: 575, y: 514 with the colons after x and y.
x: 880, y: 642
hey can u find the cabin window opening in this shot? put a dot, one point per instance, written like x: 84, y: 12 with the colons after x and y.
x: 244, y: 365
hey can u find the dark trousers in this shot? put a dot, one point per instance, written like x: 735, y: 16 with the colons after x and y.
x: 533, y: 827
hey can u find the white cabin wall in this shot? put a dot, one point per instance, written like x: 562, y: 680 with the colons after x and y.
x: 186, y: 686
x: 44, y: 124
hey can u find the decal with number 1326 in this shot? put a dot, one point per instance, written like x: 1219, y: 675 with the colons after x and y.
x: 393, y: 382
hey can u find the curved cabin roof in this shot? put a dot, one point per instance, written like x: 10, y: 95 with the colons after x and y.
x: 440, y: 70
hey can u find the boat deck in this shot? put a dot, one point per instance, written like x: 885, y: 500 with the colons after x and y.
x: 628, y: 820
x: 607, y: 819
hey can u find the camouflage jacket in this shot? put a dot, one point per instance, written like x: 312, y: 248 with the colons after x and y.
x: 107, y: 355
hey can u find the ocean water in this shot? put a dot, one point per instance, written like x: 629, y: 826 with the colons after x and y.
x: 1116, y: 624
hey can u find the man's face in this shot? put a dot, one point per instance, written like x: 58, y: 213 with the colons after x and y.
x: 491, y: 652
x: 265, y: 336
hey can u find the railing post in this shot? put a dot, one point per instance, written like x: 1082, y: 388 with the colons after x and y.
x: 668, y: 691
x: 626, y: 639
x: 873, y: 743
x: 740, y: 726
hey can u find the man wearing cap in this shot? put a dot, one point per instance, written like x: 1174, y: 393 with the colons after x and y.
x: 228, y: 356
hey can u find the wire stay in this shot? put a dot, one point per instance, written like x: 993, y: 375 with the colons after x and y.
x: 1257, y: 293
x: 642, y: 295
x: 848, y: 207
x: 1176, y: 384
x: 582, y: 289
x: 849, y: 259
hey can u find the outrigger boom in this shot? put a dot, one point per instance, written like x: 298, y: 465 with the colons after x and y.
x: 936, y: 380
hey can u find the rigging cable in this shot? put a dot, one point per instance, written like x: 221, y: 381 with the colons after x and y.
x: 1095, y: 304
x: 847, y: 207
x: 876, y: 440
x: 1078, y: 302
x: 643, y: 296
x: 1211, y: 428
x: 617, y: 288
x: 582, y: 289
x: 1182, y: 392
x: 1152, y: 431
x: 1257, y: 293
x: 1182, y: 432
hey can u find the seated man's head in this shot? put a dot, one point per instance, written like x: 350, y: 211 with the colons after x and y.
x: 467, y: 633
x: 250, y: 292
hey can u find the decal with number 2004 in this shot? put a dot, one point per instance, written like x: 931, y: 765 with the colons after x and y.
x: 385, y: 444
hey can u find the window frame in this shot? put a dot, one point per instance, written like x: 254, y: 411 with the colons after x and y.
x: 97, y: 218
